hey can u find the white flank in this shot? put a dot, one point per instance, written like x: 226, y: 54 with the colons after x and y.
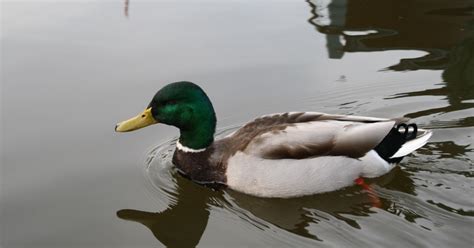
x: 286, y: 178
x: 414, y: 144
x: 374, y: 165
x: 187, y: 149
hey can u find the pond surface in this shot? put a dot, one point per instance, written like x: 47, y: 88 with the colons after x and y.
x: 71, y: 70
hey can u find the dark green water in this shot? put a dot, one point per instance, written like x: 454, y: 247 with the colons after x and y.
x: 70, y: 70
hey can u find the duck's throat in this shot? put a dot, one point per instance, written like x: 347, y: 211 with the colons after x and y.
x: 197, y: 138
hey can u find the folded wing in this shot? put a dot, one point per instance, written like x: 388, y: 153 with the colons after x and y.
x: 304, y: 135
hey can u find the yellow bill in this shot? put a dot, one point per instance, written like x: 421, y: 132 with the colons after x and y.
x: 140, y: 121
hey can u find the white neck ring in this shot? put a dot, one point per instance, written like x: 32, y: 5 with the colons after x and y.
x: 187, y: 149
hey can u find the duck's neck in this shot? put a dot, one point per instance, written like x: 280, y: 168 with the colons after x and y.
x: 198, y: 137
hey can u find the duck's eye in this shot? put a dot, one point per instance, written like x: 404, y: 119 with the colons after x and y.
x: 143, y: 116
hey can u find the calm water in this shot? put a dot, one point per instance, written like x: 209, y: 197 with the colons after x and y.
x: 71, y: 70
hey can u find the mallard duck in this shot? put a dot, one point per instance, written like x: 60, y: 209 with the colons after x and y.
x: 278, y: 155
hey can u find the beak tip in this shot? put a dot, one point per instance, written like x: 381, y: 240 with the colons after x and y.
x: 116, y: 126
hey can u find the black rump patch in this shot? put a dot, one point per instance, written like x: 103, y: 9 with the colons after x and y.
x: 394, y: 141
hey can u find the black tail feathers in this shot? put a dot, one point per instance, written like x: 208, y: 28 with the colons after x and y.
x: 394, y: 141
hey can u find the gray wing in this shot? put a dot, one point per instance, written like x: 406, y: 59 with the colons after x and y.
x: 303, y: 135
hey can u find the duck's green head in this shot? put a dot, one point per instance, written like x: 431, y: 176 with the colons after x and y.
x: 183, y: 105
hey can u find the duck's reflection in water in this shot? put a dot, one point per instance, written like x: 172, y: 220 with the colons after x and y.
x: 183, y: 223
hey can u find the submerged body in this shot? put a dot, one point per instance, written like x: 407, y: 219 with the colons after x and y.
x: 279, y: 155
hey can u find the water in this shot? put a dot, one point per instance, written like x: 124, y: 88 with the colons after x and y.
x: 71, y: 70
